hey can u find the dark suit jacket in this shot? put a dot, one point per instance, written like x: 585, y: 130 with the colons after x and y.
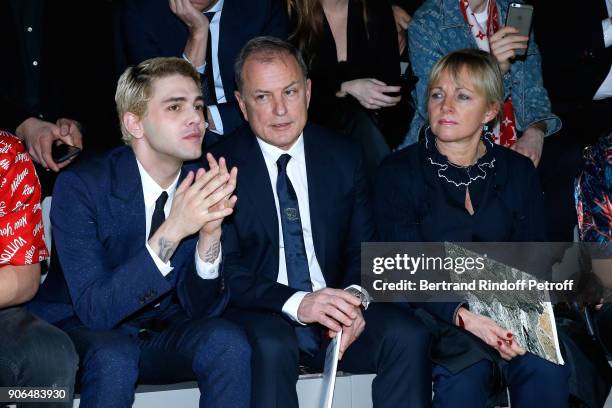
x: 339, y: 211
x: 150, y: 29
x: 101, y: 271
x: 575, y: 60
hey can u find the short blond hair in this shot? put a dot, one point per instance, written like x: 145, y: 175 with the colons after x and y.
x: 134, y: 88
x: 482, y: 69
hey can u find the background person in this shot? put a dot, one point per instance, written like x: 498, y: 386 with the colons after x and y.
x: 209, y: 34
x: 56, y: 78
x: 351, y: 49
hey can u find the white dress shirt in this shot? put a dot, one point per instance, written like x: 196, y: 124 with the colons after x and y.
x: 151, y: 191
x: 605, y: 89
x: 296, y: 171
x: 214, y: 43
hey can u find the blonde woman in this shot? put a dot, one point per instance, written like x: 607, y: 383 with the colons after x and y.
x: 456, y: 186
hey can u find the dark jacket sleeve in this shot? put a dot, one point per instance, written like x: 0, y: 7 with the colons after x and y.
x: 398, y: 191
x: 102, y: 295
x: 104, y: 291
x: 136, y: 39
x: 575, y: 60
x: 249, y: 289
x: 201, y: 297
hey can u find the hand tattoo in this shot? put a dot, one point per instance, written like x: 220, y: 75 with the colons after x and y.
x: 166, y: 249
x: 212, y: 253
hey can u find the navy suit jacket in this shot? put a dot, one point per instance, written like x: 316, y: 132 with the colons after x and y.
x: 340, y: 215
x: 149, y: 29
x: 101, y: 272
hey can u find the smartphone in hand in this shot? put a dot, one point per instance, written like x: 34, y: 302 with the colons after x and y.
x: 520, y: 17
x: 62, y: 152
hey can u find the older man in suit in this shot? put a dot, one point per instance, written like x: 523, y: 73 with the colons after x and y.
x: 209, y: 34
x: 135, y: 278
x: 292, y: 246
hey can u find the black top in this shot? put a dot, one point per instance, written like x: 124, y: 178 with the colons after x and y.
x: 371, y: 53
x: 420, y: 197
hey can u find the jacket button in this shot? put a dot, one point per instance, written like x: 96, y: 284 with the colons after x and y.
x: 141, y: 300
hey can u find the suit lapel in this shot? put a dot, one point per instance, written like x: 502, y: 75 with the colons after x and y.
x: 257, y: 186
x: 320, y: 188
x: 127, y: 200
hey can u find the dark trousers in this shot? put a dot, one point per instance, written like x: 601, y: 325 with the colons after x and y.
x: 212, y: 351
x: 393, y: 345
x: 532, y: 381
x: 34, y: 353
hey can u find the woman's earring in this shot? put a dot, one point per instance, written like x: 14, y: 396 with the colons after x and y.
x: 487, y: 132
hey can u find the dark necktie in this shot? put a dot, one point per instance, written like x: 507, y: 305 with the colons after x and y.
x: 158, y: 214
x: 298, y: 274
x: 208, y: 83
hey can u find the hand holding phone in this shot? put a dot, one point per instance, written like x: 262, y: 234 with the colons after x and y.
x: 520, y: 17
x: 62, y: 152
x: 510, y: 42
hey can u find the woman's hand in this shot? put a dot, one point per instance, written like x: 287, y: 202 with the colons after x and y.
x: 488, y: 331
x: 370, y: 92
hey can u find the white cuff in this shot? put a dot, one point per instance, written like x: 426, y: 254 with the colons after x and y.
x: 607, y: 31
x: 290, y: 308
x: 216, y: 117
x: 207, y: 270
x: 164, y: 268
x: 199, y: 68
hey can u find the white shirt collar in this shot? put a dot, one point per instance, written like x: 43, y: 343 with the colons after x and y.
x: 271, y: 153
x: 216, y: 8
x: 151, y: 190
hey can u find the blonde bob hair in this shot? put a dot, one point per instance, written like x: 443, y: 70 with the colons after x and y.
x: 481, y: 68
x: 135, y: 86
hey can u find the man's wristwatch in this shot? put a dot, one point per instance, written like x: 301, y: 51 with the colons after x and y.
x: 362, y: 294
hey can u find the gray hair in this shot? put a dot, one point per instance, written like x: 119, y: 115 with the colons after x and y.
x: 266, y: 49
